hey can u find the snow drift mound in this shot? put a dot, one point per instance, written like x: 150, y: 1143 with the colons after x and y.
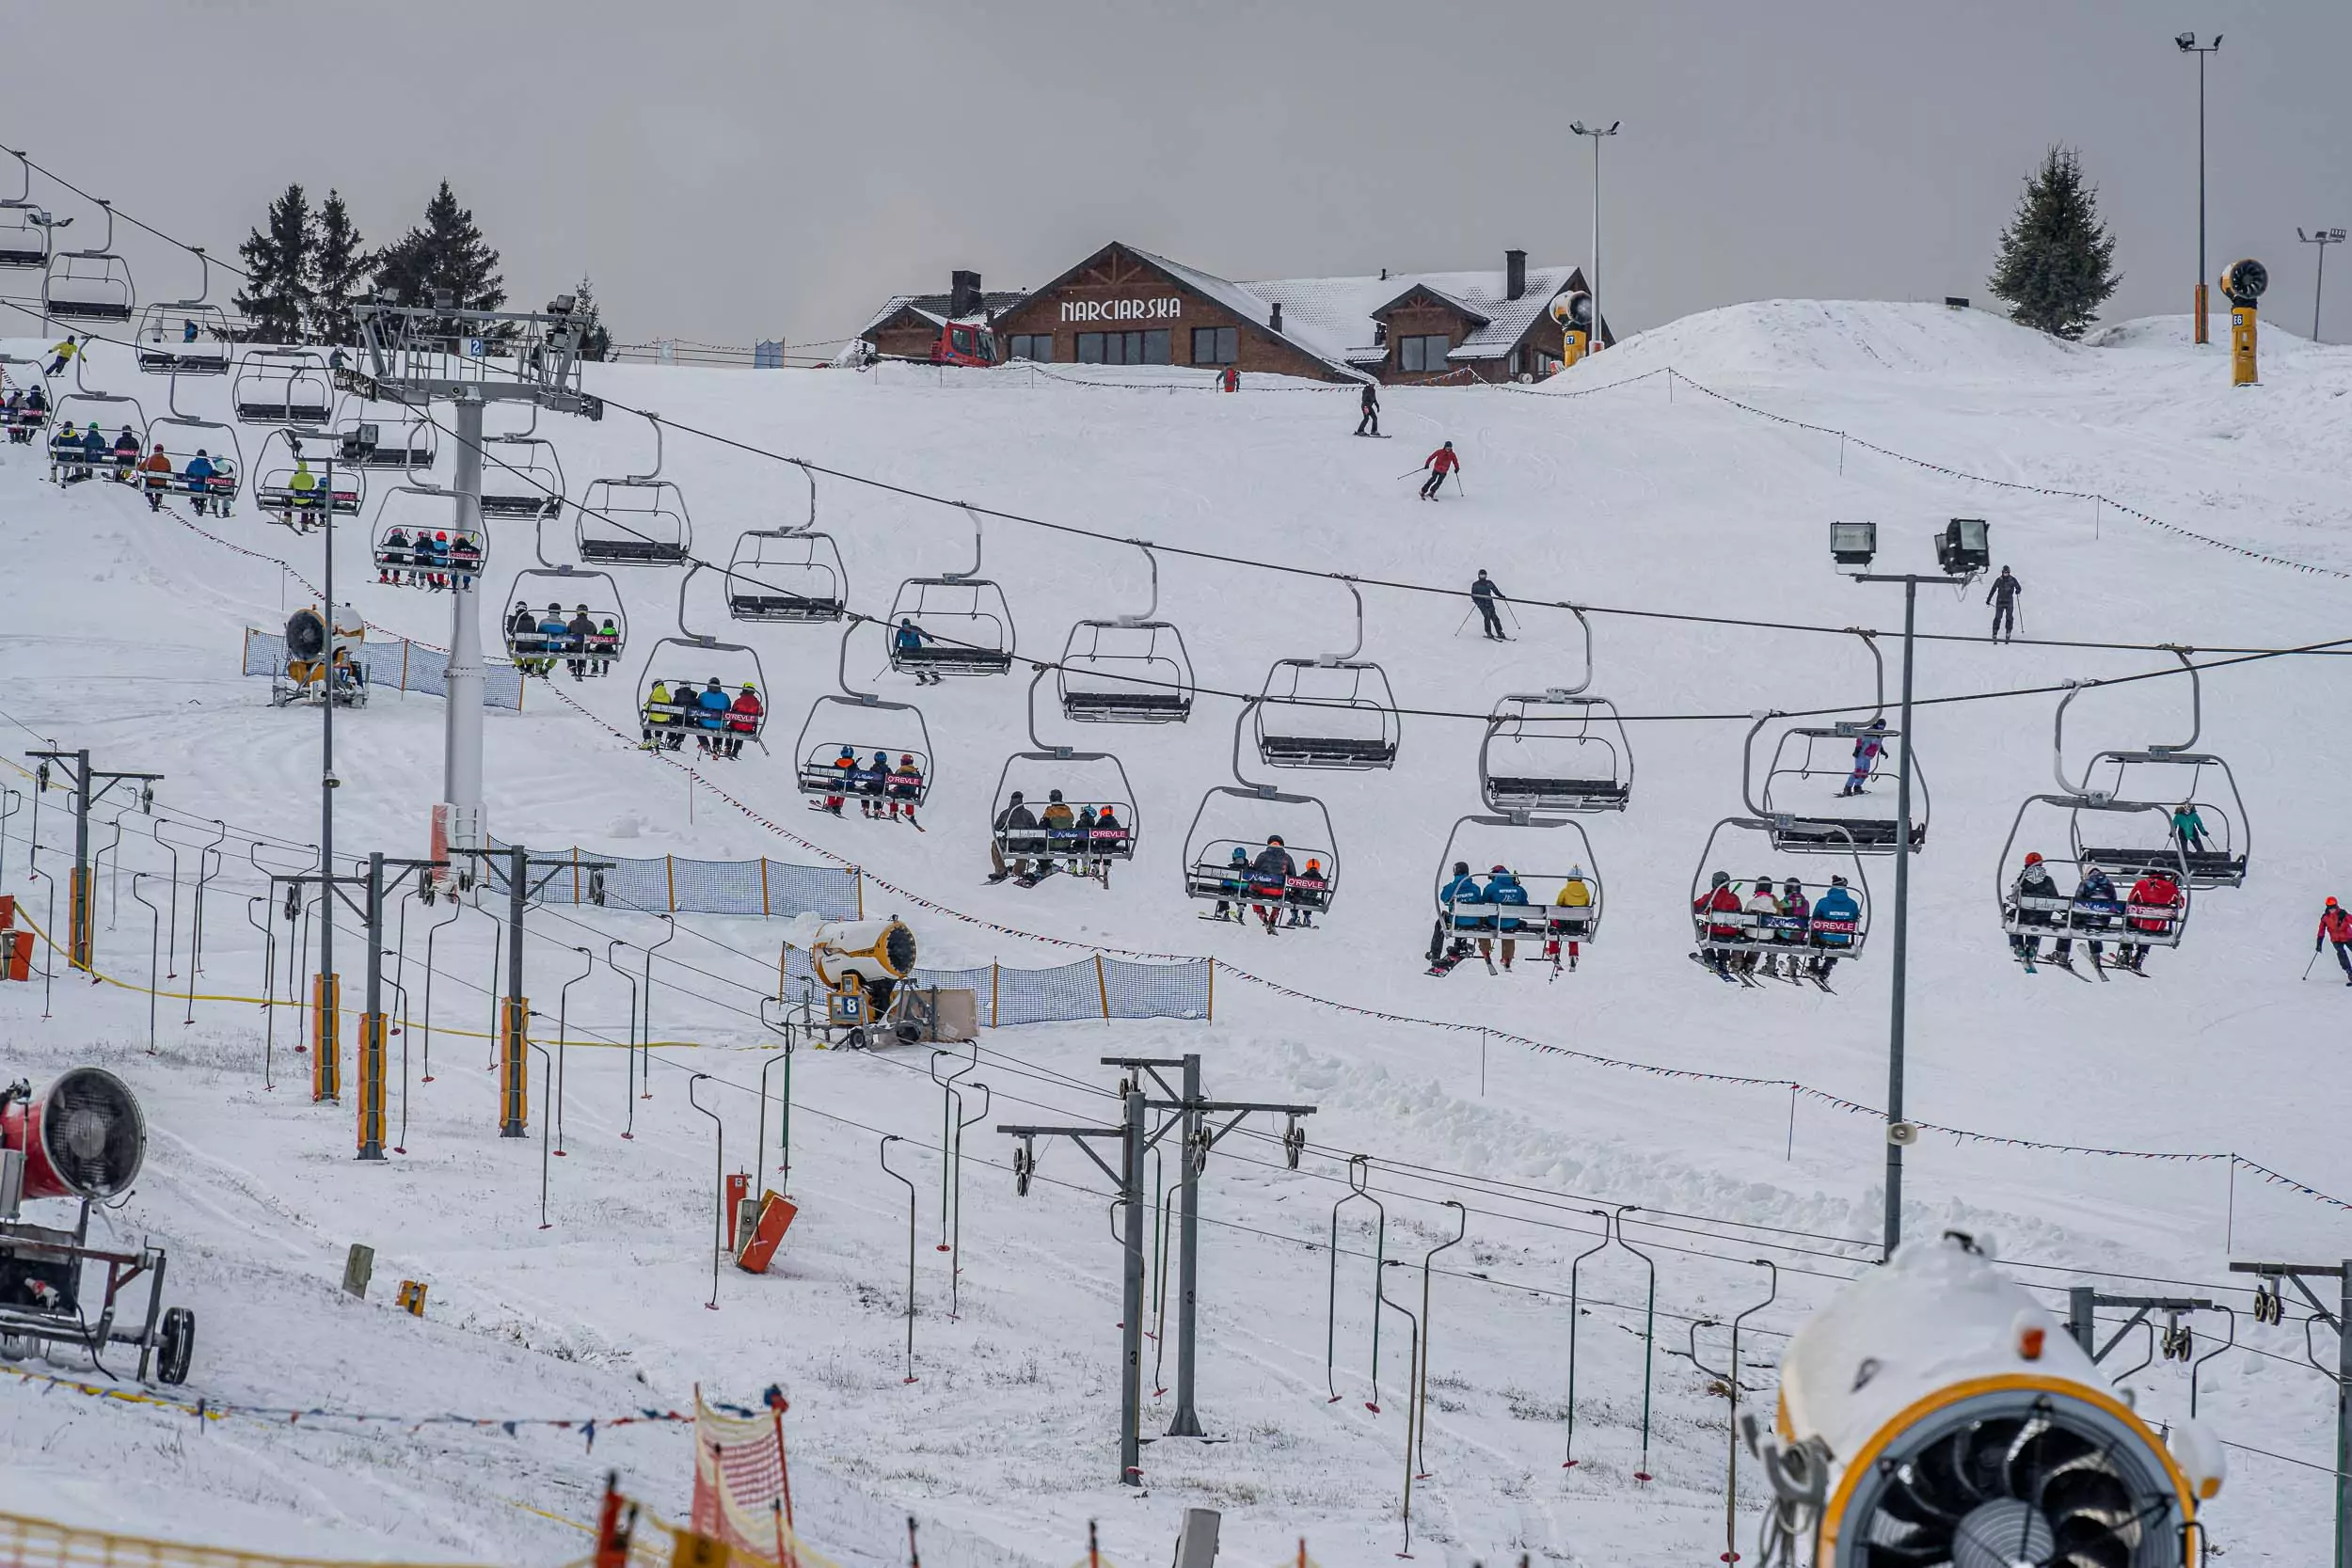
x: 1779, y: 338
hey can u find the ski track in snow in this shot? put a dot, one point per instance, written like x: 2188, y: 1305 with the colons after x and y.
x: 1644, y: 496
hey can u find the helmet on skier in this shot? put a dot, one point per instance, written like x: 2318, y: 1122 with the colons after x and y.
x: 748, y: 690
x: 1576, y: 873
x: 1053, y: 795
x: 1273, y: 839
x: 2034, y: 859
x: 1313, y: 865
x: 1792, y: 886
x: 2331, y: 903
x: 1461, y: 868
x: 1449, y: 446
x: 906, y: 759
x: 1720, y: 878
x: 1016, y: 798
x: 1240, y: 855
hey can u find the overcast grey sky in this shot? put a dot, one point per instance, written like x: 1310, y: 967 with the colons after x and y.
x: 733, y: 171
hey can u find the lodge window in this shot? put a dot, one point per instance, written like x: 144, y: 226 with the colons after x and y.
x: 1124, y: 348
x: 1519, y: 359
x: 1215, y: 345
x: 1422, y: 354
x: 1037, y: 346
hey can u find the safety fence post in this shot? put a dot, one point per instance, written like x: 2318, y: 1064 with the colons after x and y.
x: 763, y: 884
x: 1210, y: 1017
x: 575, y: 873
x: 995, y: 970
x: 669, y: 864
x: 1103, y: 988
x: 857, y: 886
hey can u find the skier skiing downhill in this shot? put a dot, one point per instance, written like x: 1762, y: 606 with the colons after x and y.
x: 1484, y: 592
x: 1369, y: 403
x: 2188, y: 827
x: 2335, y: 925
x: 2003, y: 598
x: 1439, y: 464
x: 1867, y: 747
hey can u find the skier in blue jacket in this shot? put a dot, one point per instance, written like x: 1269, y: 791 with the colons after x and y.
x: 1502, y: 888
x: 1837, y: 905
x: 910, y: 638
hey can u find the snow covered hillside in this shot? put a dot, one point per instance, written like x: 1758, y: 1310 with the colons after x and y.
x: 120, y: 631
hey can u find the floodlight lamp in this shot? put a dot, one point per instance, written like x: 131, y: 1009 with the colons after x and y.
x: 1966, y: 548
x: 2187, y: 41
x: 1577, y: 128
x: 1853, y: 545
x: 562, y: 304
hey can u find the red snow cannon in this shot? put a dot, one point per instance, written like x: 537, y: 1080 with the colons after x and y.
x: 82, y: 1138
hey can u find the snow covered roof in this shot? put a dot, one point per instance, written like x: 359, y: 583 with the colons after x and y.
x: 1344, y: 310
x: 1302, y: 333
x: 993, y: 302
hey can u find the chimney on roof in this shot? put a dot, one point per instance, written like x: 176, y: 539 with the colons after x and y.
x: 1384, y: 274
x: 1274, y: 321
x: 1514, y: 274
x: 964, y: 293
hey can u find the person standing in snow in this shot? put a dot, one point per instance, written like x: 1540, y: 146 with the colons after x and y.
x: 1230, y: 380
x: 2003, y: 598
x: 1368, y: 402
x: 2335, y: 925
x: 1439, y: 464
x: 1484, y: 592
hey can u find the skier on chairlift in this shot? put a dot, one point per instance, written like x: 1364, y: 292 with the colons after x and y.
x: 878, y: 785
x: 1014, y: 820
x: 1575, y: 898
x: 1721, y: 905
x: 1794, y: 905
x: 577, y: 631
x: 2096, y: 907
x: 2153, y: 892
x: 2034, y: 883
x: 1303, y: 915
x: 844, y: 765
x: 198, y: 476
x: 1269, y: 881
x: 1867, y: 747
x: 1762, y: 901
x: 1237, y: 875
x: 911, y: 638
x: 1836, y: 905
x: 157, y: 467
x: 1503, y: 890
x: 659, y: 713
x: 904, y: 781
x: 742, y: 718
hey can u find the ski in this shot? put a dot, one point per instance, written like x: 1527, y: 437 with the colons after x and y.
x: 1033, y: 878
x: 1726, y: 976
x: 1822, y: 981
x: 995, y: 876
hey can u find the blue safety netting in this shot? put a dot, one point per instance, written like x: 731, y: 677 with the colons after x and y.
x: 1096, y: 988
x: 668, y: 884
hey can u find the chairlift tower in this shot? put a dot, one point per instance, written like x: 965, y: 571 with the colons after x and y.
x: 417, y: 355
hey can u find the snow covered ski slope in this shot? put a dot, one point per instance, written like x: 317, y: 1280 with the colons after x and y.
x: 2101, y: 1113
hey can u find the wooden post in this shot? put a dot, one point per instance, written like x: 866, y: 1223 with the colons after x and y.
x: 763, y: 884
x: 1103, y: 988
x: 1211, y: 1018
x: 670, y: 864
x: 993, y: 970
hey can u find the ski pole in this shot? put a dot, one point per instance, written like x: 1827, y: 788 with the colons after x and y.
x: 2307, y: 968
x: 1457, y: 484
x: 1410, y: 472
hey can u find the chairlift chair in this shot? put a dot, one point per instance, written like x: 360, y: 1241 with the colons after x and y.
x: 2066, y: 913
x: 599, y: 593
x: 278, y: 386
x: 825, y: 736
x: 637, y: 520
x: 110, y: 410
x: 530, y: 488
x: 1127, y: 670
x: 791, y: 575
x: 681, y: 716
x: 404, y: 439
x: 1087, y: 843
x: 277, y: 493
x: 1576, y: 759
x: 1539, y: 919
x: 25, y: 239
x: 28, y: 374
x: 90, y: 285
x: 1807, y: 753
x: 1209, y: 870
x: 1336, y: 710
x: 402, y: 554
x: 1725, y: 934
x: 980, y: 637
x: 184, y: 436
x: 188, y: 337
x: 2221, y: 861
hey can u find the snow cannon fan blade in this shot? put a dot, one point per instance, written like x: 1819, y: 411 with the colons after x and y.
x: 83, y: 1138
x: 306, y: 635
x: 2244, y: 281
x: 1573, y: 308
x: 1959, y: 1424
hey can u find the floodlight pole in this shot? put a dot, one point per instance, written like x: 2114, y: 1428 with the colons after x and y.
x: 2322, y: 238
x: 326, y: 1012
x: 1892, y: 1226
x: 2189, y: 45
x: 461, y: 767
x: 1592, y: 280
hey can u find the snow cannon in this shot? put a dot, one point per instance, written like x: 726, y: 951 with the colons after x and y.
x: 83, y: 1138
x: 2242, y: 283
x: 862, y: 963
x: 1573, y: 309
x: 1934, y: 1412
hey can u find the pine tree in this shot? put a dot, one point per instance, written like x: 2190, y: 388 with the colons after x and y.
x: 596, y: 342
x: 340, y: 261
x: 279, y: 259
x: 447, y: 255
x: 2057, y: 263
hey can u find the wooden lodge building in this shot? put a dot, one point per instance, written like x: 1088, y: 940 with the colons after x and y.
x: 1123, y: 305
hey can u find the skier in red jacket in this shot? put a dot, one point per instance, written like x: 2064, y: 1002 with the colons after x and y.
x: 1720, y: 908
x: 2155, y: 891
x: 1442, y: 462
x: 2336, y: 924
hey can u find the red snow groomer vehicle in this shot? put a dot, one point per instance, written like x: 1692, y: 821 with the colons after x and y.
x: 964, y: 343
x: 83, y: 1139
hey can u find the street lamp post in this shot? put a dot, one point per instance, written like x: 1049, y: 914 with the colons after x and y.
x: 2189, y: 45
x: 1963, y: 550
x: 1592, y: 280
x: 2322, y: 238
